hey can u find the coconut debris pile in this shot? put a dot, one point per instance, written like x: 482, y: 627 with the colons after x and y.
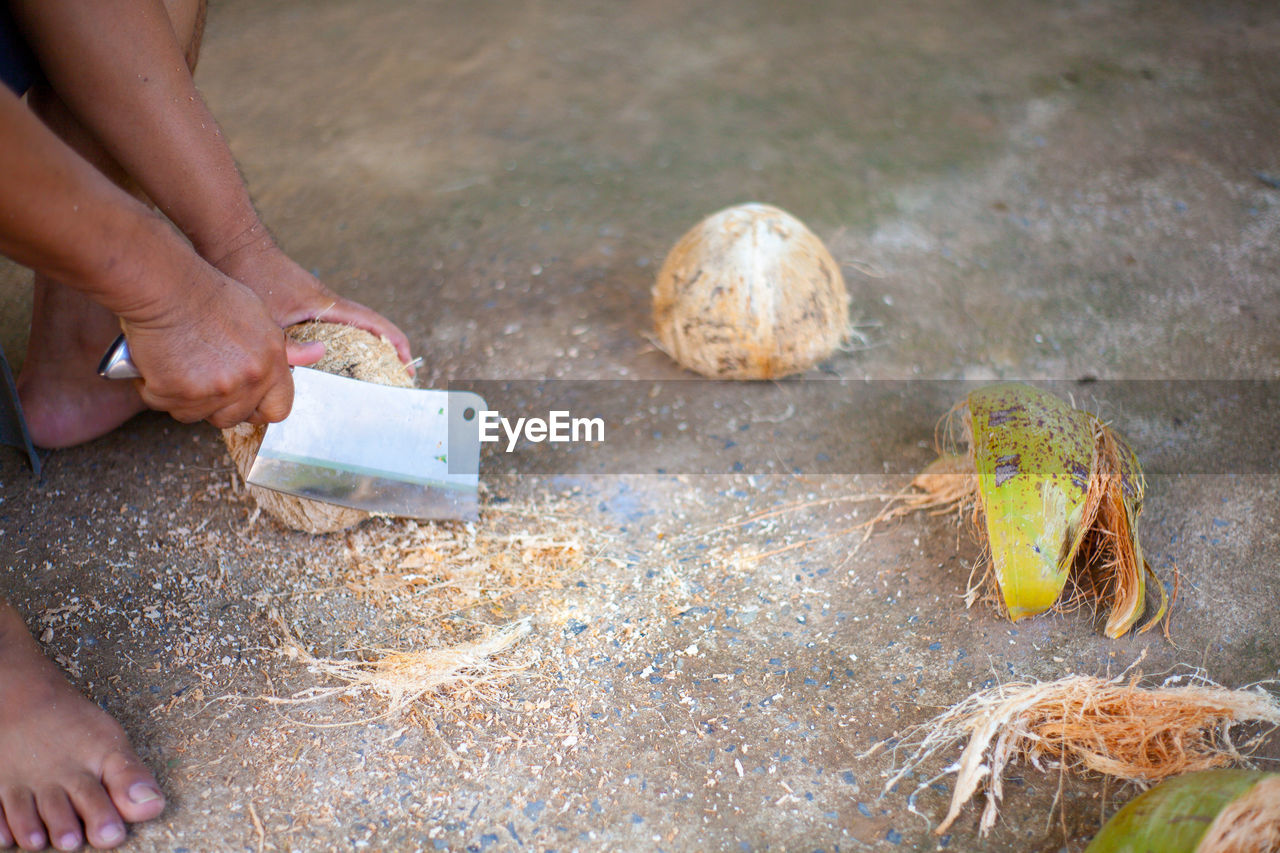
x: 449, y: 604
x: 1114, y: 727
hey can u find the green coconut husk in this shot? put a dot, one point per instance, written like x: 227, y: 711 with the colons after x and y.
x: 1214, y: 811
x: 1055, y: 496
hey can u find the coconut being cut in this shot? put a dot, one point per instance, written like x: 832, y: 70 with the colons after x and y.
x: 750, y: 293
x: 349, y: 352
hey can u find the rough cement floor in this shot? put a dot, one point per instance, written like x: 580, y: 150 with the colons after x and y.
x: 1049, y: 190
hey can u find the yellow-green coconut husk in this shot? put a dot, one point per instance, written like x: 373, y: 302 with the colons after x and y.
x: 1056, y: 495
x: 349, y: 352
x: 1214, y: 811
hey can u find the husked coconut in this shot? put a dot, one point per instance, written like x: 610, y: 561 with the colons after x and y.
x: 348, y: 352
x: 750, y: 293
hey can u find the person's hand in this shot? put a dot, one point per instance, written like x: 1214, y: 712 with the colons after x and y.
x: 215, y: 353
x: 293, y: 295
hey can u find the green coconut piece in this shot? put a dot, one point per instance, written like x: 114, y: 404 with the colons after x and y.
x: 1176, y: 815
x: 1032, y: 453
x: 1059, y: 493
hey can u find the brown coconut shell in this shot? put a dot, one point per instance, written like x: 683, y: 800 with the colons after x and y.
x: 348, y: 352
x: 750, y: 293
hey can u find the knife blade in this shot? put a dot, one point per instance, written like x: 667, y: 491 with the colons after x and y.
x: 398, y: 451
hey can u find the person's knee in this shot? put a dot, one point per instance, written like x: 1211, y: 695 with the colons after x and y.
x: 187, y: 19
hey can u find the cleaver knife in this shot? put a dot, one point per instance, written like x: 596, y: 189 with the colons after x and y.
x: 397, y: 451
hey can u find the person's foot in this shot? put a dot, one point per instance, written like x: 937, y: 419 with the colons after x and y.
x: 63, y: 410
x: 67, y: 772
x: 64, y: 399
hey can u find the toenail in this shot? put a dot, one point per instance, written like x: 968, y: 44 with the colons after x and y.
x: 111, y: 833
x: 143, y: 793
x: 70, y: 841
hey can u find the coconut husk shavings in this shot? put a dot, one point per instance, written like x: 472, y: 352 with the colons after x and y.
x: 1084, y: 724
x: 459, y: 597
x: 401, y: 678
x: 463, y: 564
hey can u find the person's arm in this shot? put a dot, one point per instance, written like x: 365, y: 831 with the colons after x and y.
x: 205, y: 345
x: 118, y: 67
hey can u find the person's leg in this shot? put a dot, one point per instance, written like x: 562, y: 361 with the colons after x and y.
x: 64, y: 400
x: 68, y: 773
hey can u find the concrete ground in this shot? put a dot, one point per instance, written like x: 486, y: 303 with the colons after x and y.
x: 1025, y: 190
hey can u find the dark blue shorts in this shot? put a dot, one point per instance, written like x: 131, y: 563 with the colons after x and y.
x: 18, y: 67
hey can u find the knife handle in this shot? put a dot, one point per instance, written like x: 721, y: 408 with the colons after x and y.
x: 117, y: 364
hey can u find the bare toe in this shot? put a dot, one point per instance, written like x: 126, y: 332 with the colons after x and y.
x: 102, y: 823
x: 58, y: 744
x: 132, y: 787
x: 24, y: 822
x: 59, y: 818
